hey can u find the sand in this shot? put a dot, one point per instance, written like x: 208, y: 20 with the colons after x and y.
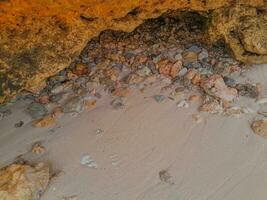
x: 217, y: 159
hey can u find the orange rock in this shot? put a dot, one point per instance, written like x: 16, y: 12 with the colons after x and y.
x: 196, y: 80
x: 43, y: 99
x: 121, y: 92
x: 111, y: 73
x: 259, y: 127
x: 89, y: 104
x: 190, y: 74
x: 194, y: 98
x: 167, y: 68
x: 37, y: 148
x: 47, y: 120
x: 57, y: 112
x: 80, y: 69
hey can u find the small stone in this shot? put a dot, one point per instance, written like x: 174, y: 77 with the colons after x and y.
x: 74, y: 104
x: 88, y: 161
x: 165, y: 176
x: 44, y: 99
x: 73, y: 197
x: 190, y: 74
x: 212, y: 107
x: 178, y: 56
x: 47, y: 120
x: 190, y: 56
x: 194, y: 98
x: 182, y: 72
x: 215, y: 86
x: 248, y: 90
x: 36, y: 110
x: 56, y: 97
x: 99, y: 131
x: 5, y: 113
x: 38, y: 148
x: 145, y: 71
x: 229, y: 81
x: 259, y: 127
x: 19, y: 124
x: 80, y: 69
x: 121, y: 92
x: 203, y: 54
x: 134, y: 79
x: 57, y: 112
x: 194, y: 48
x: 196, y: 80
x: 118, y: 103
x: 159, y: 98
x: 197, y: 118
x: 183, y: 104
x: 89, y: 104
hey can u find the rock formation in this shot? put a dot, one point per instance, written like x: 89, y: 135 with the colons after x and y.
x: 38, y: 38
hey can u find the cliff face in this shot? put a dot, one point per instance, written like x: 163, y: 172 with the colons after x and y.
x: 38, y: 38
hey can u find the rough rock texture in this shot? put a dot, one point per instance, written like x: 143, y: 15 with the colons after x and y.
x: 23, y: 182
x: 38, y: 38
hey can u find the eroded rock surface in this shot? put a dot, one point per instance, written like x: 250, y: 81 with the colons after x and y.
x: 38, y: 38
x: 23, y: 182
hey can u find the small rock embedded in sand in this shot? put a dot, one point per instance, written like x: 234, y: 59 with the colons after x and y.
x: 36, y: 110
x: 197, y: 118
x: 88, y: 161
x: 118, y: 103
x: 47, y: 120
x: 38, y: 148
x: 23, y: 182
x: 73, y: 197
x: 89, y: 104
x: 165, y: 176
x: 248, y: 90
x: 121, y: 92
x: 215, y: 86
x: 159, y: 98
x: 19, y: 124
x: 212, y: 107
x: 183, y: 104
x: 259, y: 127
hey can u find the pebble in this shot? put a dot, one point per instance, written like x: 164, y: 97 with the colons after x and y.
x: 183, y: 104
x: 74, y: 104
x: 88, y: 161
x: 248, y: 90
x: 38, y: 148
x: 203, y: 54
x: 19, y: 124
x: 182, y: 72
x: 118, y: 103
x: 194, y: 48
x: 159, y: 98
x: 229, y: 81
x: 73, y: 197
x: 36, y: 110
x: 259, y: 127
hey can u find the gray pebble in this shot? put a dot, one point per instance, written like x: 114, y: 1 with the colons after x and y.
x: 74, y: 104
x: 36, y: 110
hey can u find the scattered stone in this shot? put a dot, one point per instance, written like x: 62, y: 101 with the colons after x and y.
x: 19, y: 124
x: 190, y: 74
x: 145, y: 71
x: 80, y: 69
x: 121, y: 92
x: 5, y: 113
x: 159, y: 98
x: 212, y: 106
x: 99, y: 131
x: 73, y: 105
x: 73, y: 197
x: 165, y: 176
x: 36, y: 110
x: 23, y: 182
x: 229, y: 81
x: 197, y: 118
x: 45, y: 121
x: 38, y: 148
x: 183, y: 104
x: 134, y: 79
x: 89, y: 104
x: 88, y: 161
x: 190, y: 56
x: 194, y: 48
x: 44, y: 99
x: 259, y: 127
x: 215, y: 86
x: 182, y: 72
x: 118, y: 103
x: 57, y: 112
x: 203, y: 55
x: 248, y: 90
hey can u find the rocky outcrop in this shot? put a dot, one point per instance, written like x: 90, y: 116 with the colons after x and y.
x: 23, y: 182
x: 38, y: 38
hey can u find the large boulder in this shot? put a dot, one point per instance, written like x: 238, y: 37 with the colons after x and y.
x: 38, y: 38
